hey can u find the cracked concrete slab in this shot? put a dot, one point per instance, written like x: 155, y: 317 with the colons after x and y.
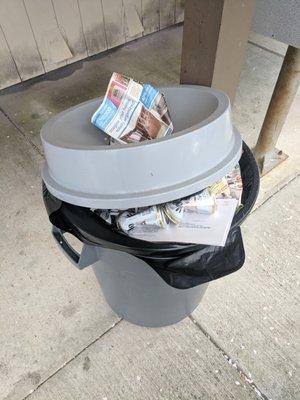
x: 177, y: 362
x: 253, y: 314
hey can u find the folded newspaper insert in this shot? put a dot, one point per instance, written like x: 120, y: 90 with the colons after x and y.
x: 132, y: 111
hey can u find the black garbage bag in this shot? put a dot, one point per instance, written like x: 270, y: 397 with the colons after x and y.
x: 204, y: 265
x: 180, y: 265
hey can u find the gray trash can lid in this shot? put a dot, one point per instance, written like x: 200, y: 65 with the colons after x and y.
x: 83, y: 169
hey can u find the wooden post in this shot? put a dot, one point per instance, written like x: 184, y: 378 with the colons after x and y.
x: 282, y: 97
x: 215, y: 35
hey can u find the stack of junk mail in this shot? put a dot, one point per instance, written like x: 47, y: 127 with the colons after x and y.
x: 133, y: 112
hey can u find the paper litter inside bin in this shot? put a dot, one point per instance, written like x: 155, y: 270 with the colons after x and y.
x: 203, y: 218
x: 207, y: 229
x: 132, y: 111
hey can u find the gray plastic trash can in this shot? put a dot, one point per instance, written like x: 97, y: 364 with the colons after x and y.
x: 83, y: 170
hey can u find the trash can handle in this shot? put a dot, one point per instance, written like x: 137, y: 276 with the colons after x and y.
x: 66, y: 248
x: 88, y: 255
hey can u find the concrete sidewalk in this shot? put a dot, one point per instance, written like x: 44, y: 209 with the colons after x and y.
x: 59, y: 339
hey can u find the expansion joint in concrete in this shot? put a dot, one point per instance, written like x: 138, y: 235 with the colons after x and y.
x: 25, y: 136
x: 71, y: 359
x: 265, y: 48
x: 234, y: 364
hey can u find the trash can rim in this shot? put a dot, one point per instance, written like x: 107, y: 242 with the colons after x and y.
x: 222, y: 106
x: 150, y: 197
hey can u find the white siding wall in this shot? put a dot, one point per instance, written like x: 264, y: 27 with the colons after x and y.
x: 37, y: 36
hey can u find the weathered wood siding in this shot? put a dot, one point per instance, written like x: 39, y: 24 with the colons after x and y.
x: 37, y: 36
